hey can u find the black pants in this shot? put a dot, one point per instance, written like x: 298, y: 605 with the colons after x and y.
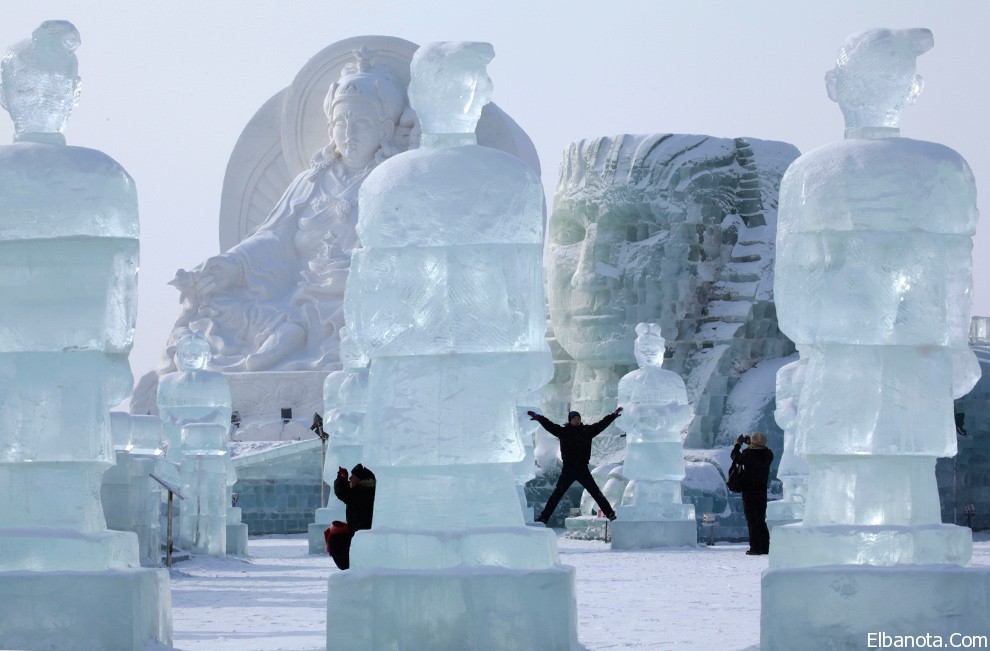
x: 755, y: 510
x: 581, y: 475
x: 339, y: 546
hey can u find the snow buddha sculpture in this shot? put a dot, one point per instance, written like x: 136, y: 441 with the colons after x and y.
x: 654, y: 400
x: 673, y: 229
x: 274, y: 301
x: 68, y: 237
x: 446, y: 300
x: 874, y: 281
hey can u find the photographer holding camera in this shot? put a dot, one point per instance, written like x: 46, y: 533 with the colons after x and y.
x: 756, y: 460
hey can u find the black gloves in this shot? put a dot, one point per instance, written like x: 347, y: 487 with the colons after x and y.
x: 532, y: 415
x: 341, y: 472
x: 618, y: 411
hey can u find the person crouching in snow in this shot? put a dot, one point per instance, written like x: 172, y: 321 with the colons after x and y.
x: 575, y: 451
x: 358, y: 493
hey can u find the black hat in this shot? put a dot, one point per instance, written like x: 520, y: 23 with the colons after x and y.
x: 571, y: 415
x: 361, y: 472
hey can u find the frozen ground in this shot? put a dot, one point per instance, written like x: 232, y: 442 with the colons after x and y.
x: 679, y: 599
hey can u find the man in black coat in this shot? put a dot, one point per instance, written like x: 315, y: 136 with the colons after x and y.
x: 575, y: 451
x: 357, y: 492
x: 756, y: 460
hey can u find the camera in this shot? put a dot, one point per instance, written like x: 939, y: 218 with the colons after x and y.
x: 745, y: 439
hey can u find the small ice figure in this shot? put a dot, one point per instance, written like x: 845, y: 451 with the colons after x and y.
x: 656, y: 412
x: 793, y: 469
x: 194, y: 395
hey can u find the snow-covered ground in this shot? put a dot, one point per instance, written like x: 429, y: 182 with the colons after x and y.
x: 699, y: 598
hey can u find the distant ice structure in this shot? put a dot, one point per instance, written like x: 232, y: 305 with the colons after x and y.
x: 874, y: 281
x: 68, y: 286
x: 652, y: 513
x: 345, y: 398
x: 131, y: 497
x: 195, y: 395
x: 793, y: 469
x: 446, y: 299
x: 673, y: 229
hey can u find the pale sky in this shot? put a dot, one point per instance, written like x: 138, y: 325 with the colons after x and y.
x: 169, y: 86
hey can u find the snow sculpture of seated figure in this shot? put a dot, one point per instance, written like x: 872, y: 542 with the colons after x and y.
x: 656, y: 410
x: 68, y: 284
x: 446, y: 300
x: 274, y: 301
x: 874, y: 281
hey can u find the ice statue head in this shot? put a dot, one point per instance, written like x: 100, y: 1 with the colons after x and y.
x: 450, y: 85
x: 650, y: 345
x: 874, y: 78
x: 363, y: 107
x: 39, y: 82
x: 193, y: 353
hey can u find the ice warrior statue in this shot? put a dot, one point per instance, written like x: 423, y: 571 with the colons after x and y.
x: 874, y: 281
x: 446, y: 299
x: 653, y: 513
x: 68, y: 284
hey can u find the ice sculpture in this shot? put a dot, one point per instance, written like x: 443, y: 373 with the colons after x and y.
x: 655, y: 403
x: 203, y: 477
x: 673, y: 229
x: 190, y: 395
x: 68, y: 275
x: 131, y: 497
x: 874, y: 282
x: 275, y: 299
x: 793, y: 469
x: 345, y: 398
x: 446, y: 299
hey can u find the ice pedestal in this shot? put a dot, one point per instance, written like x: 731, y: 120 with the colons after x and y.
x: 477, y: 608
x: 852, y: 605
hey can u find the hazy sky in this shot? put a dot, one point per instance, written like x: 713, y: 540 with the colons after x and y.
x: 169, y: 86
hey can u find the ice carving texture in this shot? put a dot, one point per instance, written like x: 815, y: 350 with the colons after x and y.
x: 874, y: 284
x: 195, y: 395
x: 673, y: 229
x: 656, y: 412
x: 446, y: 300
x: 68, y: 263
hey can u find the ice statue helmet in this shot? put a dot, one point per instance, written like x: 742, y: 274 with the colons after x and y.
x: 39, y: 81
x: 650, y: 345
x: 193, y: 352
x: 363, y: 81
x: 874, y: 75
x: 449, y: 85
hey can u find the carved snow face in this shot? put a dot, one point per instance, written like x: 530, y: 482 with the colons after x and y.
x: 356, y: 131
x: 604, y: 271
